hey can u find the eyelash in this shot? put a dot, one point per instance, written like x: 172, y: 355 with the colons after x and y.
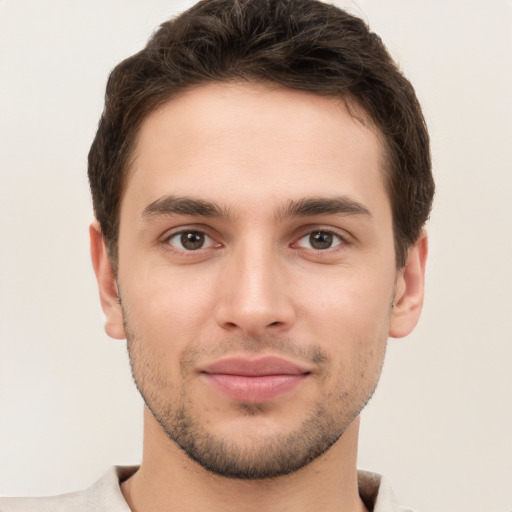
x: 342, y: 241
x: 198, y: 231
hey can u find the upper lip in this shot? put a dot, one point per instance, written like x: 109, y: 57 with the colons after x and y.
x: 259, y: 367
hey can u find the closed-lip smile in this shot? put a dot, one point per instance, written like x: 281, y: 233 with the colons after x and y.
x: 254, y: 379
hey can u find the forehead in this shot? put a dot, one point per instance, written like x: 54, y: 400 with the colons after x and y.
x: 233, y: 138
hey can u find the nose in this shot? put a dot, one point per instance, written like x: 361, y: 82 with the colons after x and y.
x: 254, y: 296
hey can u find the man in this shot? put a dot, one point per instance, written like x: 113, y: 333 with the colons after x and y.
x: 261, y: 179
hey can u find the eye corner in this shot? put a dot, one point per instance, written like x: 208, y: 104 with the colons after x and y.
x: 320, y: 240
x: 189, y: 240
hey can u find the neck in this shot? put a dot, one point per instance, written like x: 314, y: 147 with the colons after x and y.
x: 169, y: 479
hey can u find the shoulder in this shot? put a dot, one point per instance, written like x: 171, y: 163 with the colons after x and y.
x: 377, y: 494
x: 105, y: 495
x: 76, y: 501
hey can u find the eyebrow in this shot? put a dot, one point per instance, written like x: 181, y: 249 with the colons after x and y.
x: 169, y: 205
x: 311, y: 206
x: 305, y: 207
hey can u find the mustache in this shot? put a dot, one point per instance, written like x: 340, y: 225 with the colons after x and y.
x: 283, y: 346
x: 255, y: 345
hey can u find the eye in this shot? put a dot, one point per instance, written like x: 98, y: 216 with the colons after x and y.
x: 190, y: 240
x: 320, y: 240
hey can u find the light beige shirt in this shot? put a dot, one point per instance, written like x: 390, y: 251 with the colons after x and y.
x: 105, y: 496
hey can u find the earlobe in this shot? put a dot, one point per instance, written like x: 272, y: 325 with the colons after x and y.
x: 409, y: 290
x: 107, y: 285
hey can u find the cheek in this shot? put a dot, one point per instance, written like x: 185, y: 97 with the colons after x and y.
x: 348, y: 303
x: 160, y: 326
x: 167, y: 312
x: 357, y: 339
x: 173, y: 298
x: 350, y: 318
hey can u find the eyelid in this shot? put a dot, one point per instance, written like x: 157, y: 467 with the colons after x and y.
x: 345, y: 237
x: 171, y: 233
x: 177, y: 236
x: 336, y: 244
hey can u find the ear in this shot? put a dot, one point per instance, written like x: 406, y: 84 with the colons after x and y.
x: 409, y: 290
x: 107, y: 284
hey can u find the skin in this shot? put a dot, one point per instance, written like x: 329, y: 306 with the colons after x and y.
x: 258, y: 286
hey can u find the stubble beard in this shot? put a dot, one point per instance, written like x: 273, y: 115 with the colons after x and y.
x: 274, y: 457
x: 258, y: 458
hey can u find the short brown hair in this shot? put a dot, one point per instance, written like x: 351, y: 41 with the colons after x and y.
x: 301, y: 44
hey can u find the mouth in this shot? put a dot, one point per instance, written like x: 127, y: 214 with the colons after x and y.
x: 254, y: 380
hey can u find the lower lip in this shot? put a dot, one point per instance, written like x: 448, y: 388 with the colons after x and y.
x: 254, y: 389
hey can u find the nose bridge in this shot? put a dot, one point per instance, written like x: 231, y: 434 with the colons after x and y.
x: 254, y: 299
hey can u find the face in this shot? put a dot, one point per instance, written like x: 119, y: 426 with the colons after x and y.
x: 256, y: 274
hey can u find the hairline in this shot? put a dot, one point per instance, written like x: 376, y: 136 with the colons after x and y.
x: 353, y: 106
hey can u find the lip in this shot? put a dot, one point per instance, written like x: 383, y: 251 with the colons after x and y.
x: 254, y: 380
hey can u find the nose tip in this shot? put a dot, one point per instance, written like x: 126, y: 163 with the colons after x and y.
x: 255, y: 302
x: 253, y: 323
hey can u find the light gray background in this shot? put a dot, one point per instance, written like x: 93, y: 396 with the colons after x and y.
x: 440, y: 424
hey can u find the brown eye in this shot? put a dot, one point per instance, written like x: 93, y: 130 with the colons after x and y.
x: 190, y: 240
x: 320, y: 240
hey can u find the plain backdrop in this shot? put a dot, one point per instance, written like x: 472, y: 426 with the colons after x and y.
x: 440, y: 424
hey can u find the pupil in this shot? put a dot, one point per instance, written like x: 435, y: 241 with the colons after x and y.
x: 192, y: 240
x: 320, y: 240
